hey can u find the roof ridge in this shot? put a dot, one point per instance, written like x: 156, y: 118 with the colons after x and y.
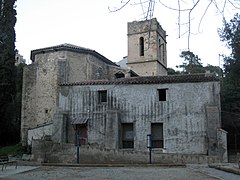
x: 73, y: 48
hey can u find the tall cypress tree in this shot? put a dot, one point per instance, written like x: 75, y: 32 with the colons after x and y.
x: 7, y: 71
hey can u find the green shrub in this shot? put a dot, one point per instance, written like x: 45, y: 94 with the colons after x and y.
x: 14, y: 150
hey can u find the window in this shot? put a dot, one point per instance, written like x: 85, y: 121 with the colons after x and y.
x: 163, y: 52
x: 102, y: 96
x: 157, y: 135
x: 127, y: 135
x: 141, y: 46
x: 159, y: 48
x: 162, y: 94
x: 119, y: 75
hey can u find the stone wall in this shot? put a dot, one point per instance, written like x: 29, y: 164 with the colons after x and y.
x: 184, y: 115
x: 47, y: 151
x: 40, y: 91
x: 222, y: 144
x: 154, y: 60
x: 81, y: 66
x: 28, y: 115
x: 41, y: 79
x: 46, y: 86
x: 39, y: 132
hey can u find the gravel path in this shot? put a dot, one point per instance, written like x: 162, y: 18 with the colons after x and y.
x: 118, y: 173
x: 214, y: 172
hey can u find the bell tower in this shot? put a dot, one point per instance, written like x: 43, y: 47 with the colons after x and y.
x: 147, y: 51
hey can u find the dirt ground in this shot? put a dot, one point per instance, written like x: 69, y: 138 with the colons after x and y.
x: 193, y: 172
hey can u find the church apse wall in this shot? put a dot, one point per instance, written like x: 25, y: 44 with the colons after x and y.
x: 54, y: 65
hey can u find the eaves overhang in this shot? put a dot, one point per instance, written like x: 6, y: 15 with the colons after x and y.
x: 192, y: 78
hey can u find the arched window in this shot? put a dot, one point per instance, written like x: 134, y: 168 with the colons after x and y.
x: 141, y: 46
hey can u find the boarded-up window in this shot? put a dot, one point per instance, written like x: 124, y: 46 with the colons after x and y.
x: 162, y: 94
x: 127, y: 135
x: 157, y: 135
x: 141, y: 46
x: 102, y: 96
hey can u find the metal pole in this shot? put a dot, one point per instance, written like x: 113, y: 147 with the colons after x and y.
x: 78, y: 154
x: 78, y: 148
x: 150, y: 155
x: 149, y: 146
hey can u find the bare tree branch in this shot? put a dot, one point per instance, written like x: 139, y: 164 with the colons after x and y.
x: 118, y: 9
x: 205, y: 12
x: 182, y: 6
x: 174, y: 9
x: 179, y: 18
x: 189, y: 22
x: 234, y: 4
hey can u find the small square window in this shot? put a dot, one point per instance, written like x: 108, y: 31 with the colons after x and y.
x: 162, y: 94
x: 102, y: 96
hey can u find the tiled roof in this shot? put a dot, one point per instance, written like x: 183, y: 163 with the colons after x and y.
x: 73, y: 48
x: 190, y: 78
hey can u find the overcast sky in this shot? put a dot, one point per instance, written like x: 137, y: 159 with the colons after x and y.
x: 89, y: 23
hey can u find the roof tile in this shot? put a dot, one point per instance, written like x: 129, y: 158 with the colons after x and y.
x: 189, y: 78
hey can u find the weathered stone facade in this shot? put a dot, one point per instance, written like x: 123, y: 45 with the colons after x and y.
x: 79, y: 97
x: 188, y: 127
x: 190, y: 115
x: 54, y: 65
x: 147, y: 50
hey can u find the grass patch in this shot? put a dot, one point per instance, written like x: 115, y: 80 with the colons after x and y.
x: 14, y: 150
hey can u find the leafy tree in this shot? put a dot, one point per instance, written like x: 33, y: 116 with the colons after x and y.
x: 18, y: 97
x: 7, y: 71
x: 214, y: 69
x: 171, y: 71
x: 192, y: 63
x: 230, y: 34
x: 230, y: 99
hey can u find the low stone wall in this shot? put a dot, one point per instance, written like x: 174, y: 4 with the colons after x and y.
x: 90, y: 154
x: 47, y: 151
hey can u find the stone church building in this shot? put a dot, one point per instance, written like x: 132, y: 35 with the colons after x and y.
x: 78, y: 106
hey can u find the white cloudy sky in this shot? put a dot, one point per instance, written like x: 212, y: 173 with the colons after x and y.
x: 88, y: 23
